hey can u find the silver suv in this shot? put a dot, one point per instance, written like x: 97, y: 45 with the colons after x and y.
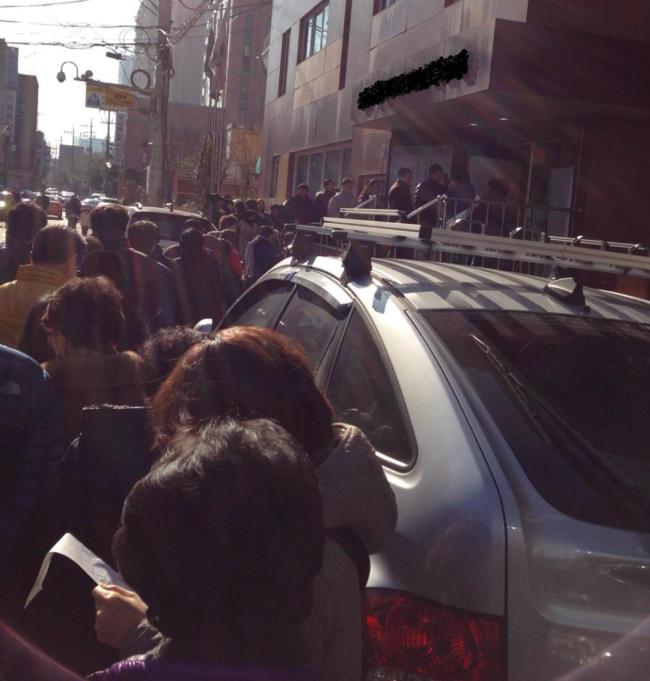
x: 515, y: 430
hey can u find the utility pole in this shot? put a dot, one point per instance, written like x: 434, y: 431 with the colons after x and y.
x: 157, y: 178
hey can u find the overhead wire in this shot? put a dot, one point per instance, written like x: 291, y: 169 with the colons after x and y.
x: 55, y: 3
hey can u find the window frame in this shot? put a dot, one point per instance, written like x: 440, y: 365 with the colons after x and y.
x: 284, y: 63
x: 329, y: 364
x: 308, y: 35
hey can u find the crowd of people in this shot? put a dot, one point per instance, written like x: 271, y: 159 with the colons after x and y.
x: 207, y: 468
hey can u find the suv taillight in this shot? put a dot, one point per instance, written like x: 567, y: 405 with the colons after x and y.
x: 407, y: 638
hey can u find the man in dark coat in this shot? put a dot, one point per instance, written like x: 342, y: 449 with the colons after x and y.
x: 23, y: 221
x: 300, y: 208
x: 260, y: 255
x: 151, y: 290
x: 399, y: 196
x: 322, y: 200
x: 427, y: 191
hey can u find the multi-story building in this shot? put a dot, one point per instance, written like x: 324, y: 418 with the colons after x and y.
x: 8, y: 102
x: 188, y: 54
x: 238, y: 85
x: 552, y: 101
x: 23, y: 164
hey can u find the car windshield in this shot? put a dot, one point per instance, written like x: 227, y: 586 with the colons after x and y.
x: 569, y: 395
x: 170, y: 225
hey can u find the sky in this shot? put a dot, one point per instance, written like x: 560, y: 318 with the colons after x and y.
x: 63, y: 104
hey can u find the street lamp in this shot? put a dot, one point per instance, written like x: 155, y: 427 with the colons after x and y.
x: 60, y: 76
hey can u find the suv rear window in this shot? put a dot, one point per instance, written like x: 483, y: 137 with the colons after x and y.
x: 570, y: 395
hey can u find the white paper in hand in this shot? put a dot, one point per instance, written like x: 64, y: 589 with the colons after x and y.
x: 70, y: 547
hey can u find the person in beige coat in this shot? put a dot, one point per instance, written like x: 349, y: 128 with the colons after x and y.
x: 253, y: 372
x: 53, y: 261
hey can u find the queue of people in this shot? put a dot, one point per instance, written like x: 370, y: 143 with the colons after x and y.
x: 148, y: 440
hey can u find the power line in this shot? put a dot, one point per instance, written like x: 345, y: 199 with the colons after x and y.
x: 46, y: 4
x: 93, y: 26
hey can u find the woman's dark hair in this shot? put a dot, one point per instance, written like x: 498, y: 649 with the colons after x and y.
x: 223, y: 538
x: 228, y: 222
x: 87, y: 313
x: 245, y: 372
x: 161, y: 352
x: 191, y: 243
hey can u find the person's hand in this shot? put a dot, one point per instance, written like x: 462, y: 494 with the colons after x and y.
x: 118, y: 611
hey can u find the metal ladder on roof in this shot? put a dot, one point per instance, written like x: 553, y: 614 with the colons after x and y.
x: 427, y: 243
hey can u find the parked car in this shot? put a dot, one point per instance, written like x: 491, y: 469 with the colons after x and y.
x: 55, y: 208
x: 514, y: 429
x: 170, y: 222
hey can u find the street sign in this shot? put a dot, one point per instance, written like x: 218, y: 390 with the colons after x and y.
x: 111, y: 97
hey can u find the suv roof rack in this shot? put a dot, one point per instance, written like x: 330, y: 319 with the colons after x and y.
x: 578, y: 253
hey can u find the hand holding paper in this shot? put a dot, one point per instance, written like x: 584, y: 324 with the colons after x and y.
x: 70, y: 547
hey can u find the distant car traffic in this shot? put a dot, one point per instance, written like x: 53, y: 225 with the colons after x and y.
x: 170, y: 223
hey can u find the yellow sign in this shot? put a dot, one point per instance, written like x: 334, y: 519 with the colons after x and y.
x: 110, y: 97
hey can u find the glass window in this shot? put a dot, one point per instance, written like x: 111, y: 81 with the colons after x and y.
x: 333, y: 166
x: 311, y: 322
x: 314, y: 31
x: 260, y: 305
x: 275, y: 175
x: 316, y: 170
x: 362, y: 394
x: 347, y: 162
x: 302, y: 166
x: 570, y: 395
x: 284, y: 63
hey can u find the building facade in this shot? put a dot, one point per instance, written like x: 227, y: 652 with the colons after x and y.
x: 238, y: 85
x: 188, y: 54
x: 8, y: 103
x: 24, y: 162
x: 551, y: 101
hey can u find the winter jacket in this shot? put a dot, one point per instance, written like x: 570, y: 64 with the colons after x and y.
x: 427, y: 191
x: 399, y: 197
x: 341, y: 200
x: 247, y: 232
x: 147, y: 668
x: 113, y: 451
x: 93, y: 379
x: 31, y: 449
x: 199, y: 283
x: 356, y: 495
x: 17, y: 298
x: 299, y: 210
x: 260, y: 257
x: 151, y: 289
x: 321, y: 203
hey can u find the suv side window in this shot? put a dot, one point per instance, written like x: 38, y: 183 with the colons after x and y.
x: 362, y: 393
x: 309, y: 320
x: 259, y: 306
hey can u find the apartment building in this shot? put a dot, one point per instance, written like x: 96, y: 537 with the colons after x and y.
x: 552, y: 102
